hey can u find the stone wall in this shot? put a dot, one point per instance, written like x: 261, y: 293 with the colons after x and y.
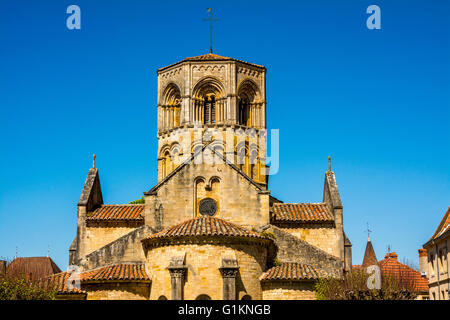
x: 292, y: 290
x: 117, y: 291
x: 100, y: 236
x: 70, y: 297
x: 239, y: 200
x: 229, y: 140
x: 321, y: 236
x: 127, y: 248
x: 203, y: 275
x: 293, y: 249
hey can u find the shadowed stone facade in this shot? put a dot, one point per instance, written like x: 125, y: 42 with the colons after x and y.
x: 207, y: 229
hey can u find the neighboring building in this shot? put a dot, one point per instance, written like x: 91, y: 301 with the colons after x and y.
x: 33, y: 268
x: 435, y: 264
x: 210, y: 228
x: 390, y: 267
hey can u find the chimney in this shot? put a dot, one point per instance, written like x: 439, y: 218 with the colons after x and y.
x: 2, y: 268
x: 423, y: 262
x: 391, y: 255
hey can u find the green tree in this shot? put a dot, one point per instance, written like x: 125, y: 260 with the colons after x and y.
x: 139, y: 201
x: 21, y: 288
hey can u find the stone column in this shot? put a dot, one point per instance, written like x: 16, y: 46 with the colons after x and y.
x: 229, y: 271
x: 177, y: 269
x: 170, y: 117
x: 229, y: 282
x: 177, y: 275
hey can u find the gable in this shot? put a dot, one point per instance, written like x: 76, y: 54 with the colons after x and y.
x: 192, y: 159
x: 238, y: 198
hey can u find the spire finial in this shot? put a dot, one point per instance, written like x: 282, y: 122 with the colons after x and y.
x: 329, y: 164
x: 93, y: 162
x: 211, y: 20
x: 368, y: 232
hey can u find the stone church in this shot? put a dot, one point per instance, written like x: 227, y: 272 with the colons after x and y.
x: 210, y: 228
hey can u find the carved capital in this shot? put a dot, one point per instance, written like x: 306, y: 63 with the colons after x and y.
x: 177, y: 272
x: 229, y: 272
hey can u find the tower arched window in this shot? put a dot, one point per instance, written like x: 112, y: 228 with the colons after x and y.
x: 167, y: 165
x: 209, y: 110
x: 170, y: 110
x: 243, y: 112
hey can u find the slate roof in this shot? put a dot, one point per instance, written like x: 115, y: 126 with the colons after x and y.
x: 443, y: 227
x: 118, y: 212
x: 391, y: 267
x: 117, y: 272
x: 205, y: 226
x: 301, y: 213
x: 34, y: 267
x: 292, y: 271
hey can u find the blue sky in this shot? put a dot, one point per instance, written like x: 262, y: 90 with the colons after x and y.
x: 377, y: 101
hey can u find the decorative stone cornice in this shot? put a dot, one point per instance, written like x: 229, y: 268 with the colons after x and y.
x: 203, y: 240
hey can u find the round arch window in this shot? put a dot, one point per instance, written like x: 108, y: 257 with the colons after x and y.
x: 207, y: 207
x: 203, y: 297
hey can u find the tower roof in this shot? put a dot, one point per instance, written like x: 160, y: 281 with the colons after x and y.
x: 209, y: 57
x: 369, y: 256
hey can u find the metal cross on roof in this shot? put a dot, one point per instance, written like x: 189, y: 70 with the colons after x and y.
x: 368, y: 232
x: 211, y: 20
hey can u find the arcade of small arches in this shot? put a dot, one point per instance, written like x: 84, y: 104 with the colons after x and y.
x: 246, y: 158
x: 209, y: 105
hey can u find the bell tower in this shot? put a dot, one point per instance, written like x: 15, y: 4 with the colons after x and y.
x: 217, y: 100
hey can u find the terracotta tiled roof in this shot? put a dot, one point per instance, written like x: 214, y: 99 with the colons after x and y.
x: 33, y: 267
x: 118, y: 212
x: 60, y: 280
x: 117, y: 272
x: 292, y: 271
x: 391, y: 267
x: 443, y: 227
x: 301, y: 212
x: 205, y: 226
x: 208, y: 56
x: 369, y: 256
x: 356, y: 267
